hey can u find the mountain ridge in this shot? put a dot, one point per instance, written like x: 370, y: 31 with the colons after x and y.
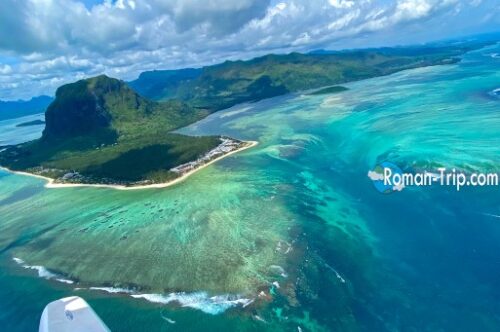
x: 229, y: 83
x: 19, y: 108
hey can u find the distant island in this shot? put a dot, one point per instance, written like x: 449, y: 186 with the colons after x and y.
x: 103, y: 131
x: 31, y: 123
x: 19, y: 108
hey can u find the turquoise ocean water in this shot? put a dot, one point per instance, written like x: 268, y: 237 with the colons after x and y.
x: 291, y: 234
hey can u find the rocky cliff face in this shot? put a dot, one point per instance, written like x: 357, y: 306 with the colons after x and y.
x: 86, y: 106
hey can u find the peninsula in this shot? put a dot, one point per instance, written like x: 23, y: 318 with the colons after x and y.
x: 100, y: 132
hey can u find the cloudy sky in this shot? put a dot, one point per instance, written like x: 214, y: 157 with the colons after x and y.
x: 45, y: 43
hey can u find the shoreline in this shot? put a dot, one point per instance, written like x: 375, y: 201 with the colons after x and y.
x: 51, y: 185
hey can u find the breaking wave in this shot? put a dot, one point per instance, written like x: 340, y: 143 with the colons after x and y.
x: 198, y: 300
x: 43, y: 272
x: 213, y: 305
x: 113, y: 290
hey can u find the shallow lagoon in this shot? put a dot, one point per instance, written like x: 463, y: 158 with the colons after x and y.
x: 294, y: 220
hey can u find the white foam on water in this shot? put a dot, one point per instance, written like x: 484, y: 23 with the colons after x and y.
x: 171, y: 321
x: 66, y: 281
x: 113, y: 290
x: 42, y: 271
x: 337, y: 274
x: 165, y: 318
x: 18, y: 260
x: 278, y: 269
x: 248, y: 303
x: 199, y: 300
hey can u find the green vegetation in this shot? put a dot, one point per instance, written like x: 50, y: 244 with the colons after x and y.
x: 162, y: 84
x: 330, y: 89
x: 106, y: 132
x: 103, y: 103
x: 233, y: 82
x: 31, y: 123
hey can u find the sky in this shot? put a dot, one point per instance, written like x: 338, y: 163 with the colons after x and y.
x: 47, y: 43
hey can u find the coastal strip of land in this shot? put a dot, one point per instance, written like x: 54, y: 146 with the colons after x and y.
x: 183, y: 175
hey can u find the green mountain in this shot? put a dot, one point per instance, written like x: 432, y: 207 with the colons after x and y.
x: 162, y: 84
x: 232, y: 82
x: 19, y: 108
x: 106, y: 104
x: 102, y: 129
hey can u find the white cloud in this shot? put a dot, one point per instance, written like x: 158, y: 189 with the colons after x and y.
x: 344, y: 20
x: 302, y: 40
x: 281, y: 6
x: 271, y: 13
x: 52, y: 42
x: 412, y: 9
x: 5, y: 69
x: 341, y: 3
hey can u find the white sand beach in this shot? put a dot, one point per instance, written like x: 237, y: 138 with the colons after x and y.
x: 51, y: 184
